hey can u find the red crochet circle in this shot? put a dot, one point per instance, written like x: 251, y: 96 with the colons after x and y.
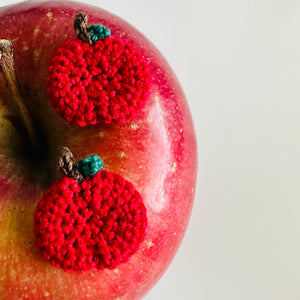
x: 97, y: 223
x: 107, y: 82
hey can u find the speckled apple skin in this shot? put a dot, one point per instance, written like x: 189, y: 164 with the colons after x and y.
x: 156, y: 152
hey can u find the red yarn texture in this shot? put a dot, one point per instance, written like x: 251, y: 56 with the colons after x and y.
x: 98, y: 223
x: 106, y: 82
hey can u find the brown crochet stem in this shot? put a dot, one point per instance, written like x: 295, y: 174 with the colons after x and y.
x: 68, y: 164
x: 8, y: 69
x: 80, y: 26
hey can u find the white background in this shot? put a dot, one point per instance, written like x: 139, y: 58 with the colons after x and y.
x: 239, y: 64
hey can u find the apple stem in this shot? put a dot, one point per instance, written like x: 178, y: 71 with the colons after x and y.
x: 8, y: 70
x: 68, y: 165
x: 80, y: 26
x: 84, y: 168
x: 89, y: 34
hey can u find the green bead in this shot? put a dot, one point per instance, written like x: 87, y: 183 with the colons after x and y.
x: 98, y: 32
x: 90, y: 165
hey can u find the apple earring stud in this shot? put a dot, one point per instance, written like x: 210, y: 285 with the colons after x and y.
x: 97, y: 78
x: 90, y: 218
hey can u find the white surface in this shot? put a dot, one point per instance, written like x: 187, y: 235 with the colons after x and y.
x: 239, y: 64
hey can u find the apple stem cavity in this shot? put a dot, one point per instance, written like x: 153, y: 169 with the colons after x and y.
x: 89, y: 34
x: 8, y: 70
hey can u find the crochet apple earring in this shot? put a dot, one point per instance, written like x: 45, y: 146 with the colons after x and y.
x: 96, y: 78
x: 90, y: 218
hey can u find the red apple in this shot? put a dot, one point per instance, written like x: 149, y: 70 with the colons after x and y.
x: 156, y: 152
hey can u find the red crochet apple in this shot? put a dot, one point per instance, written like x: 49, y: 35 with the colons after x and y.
x: 96, y: 78
x: 89, y: 218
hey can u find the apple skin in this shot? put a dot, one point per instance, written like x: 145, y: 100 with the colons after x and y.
x: 156, y: 152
